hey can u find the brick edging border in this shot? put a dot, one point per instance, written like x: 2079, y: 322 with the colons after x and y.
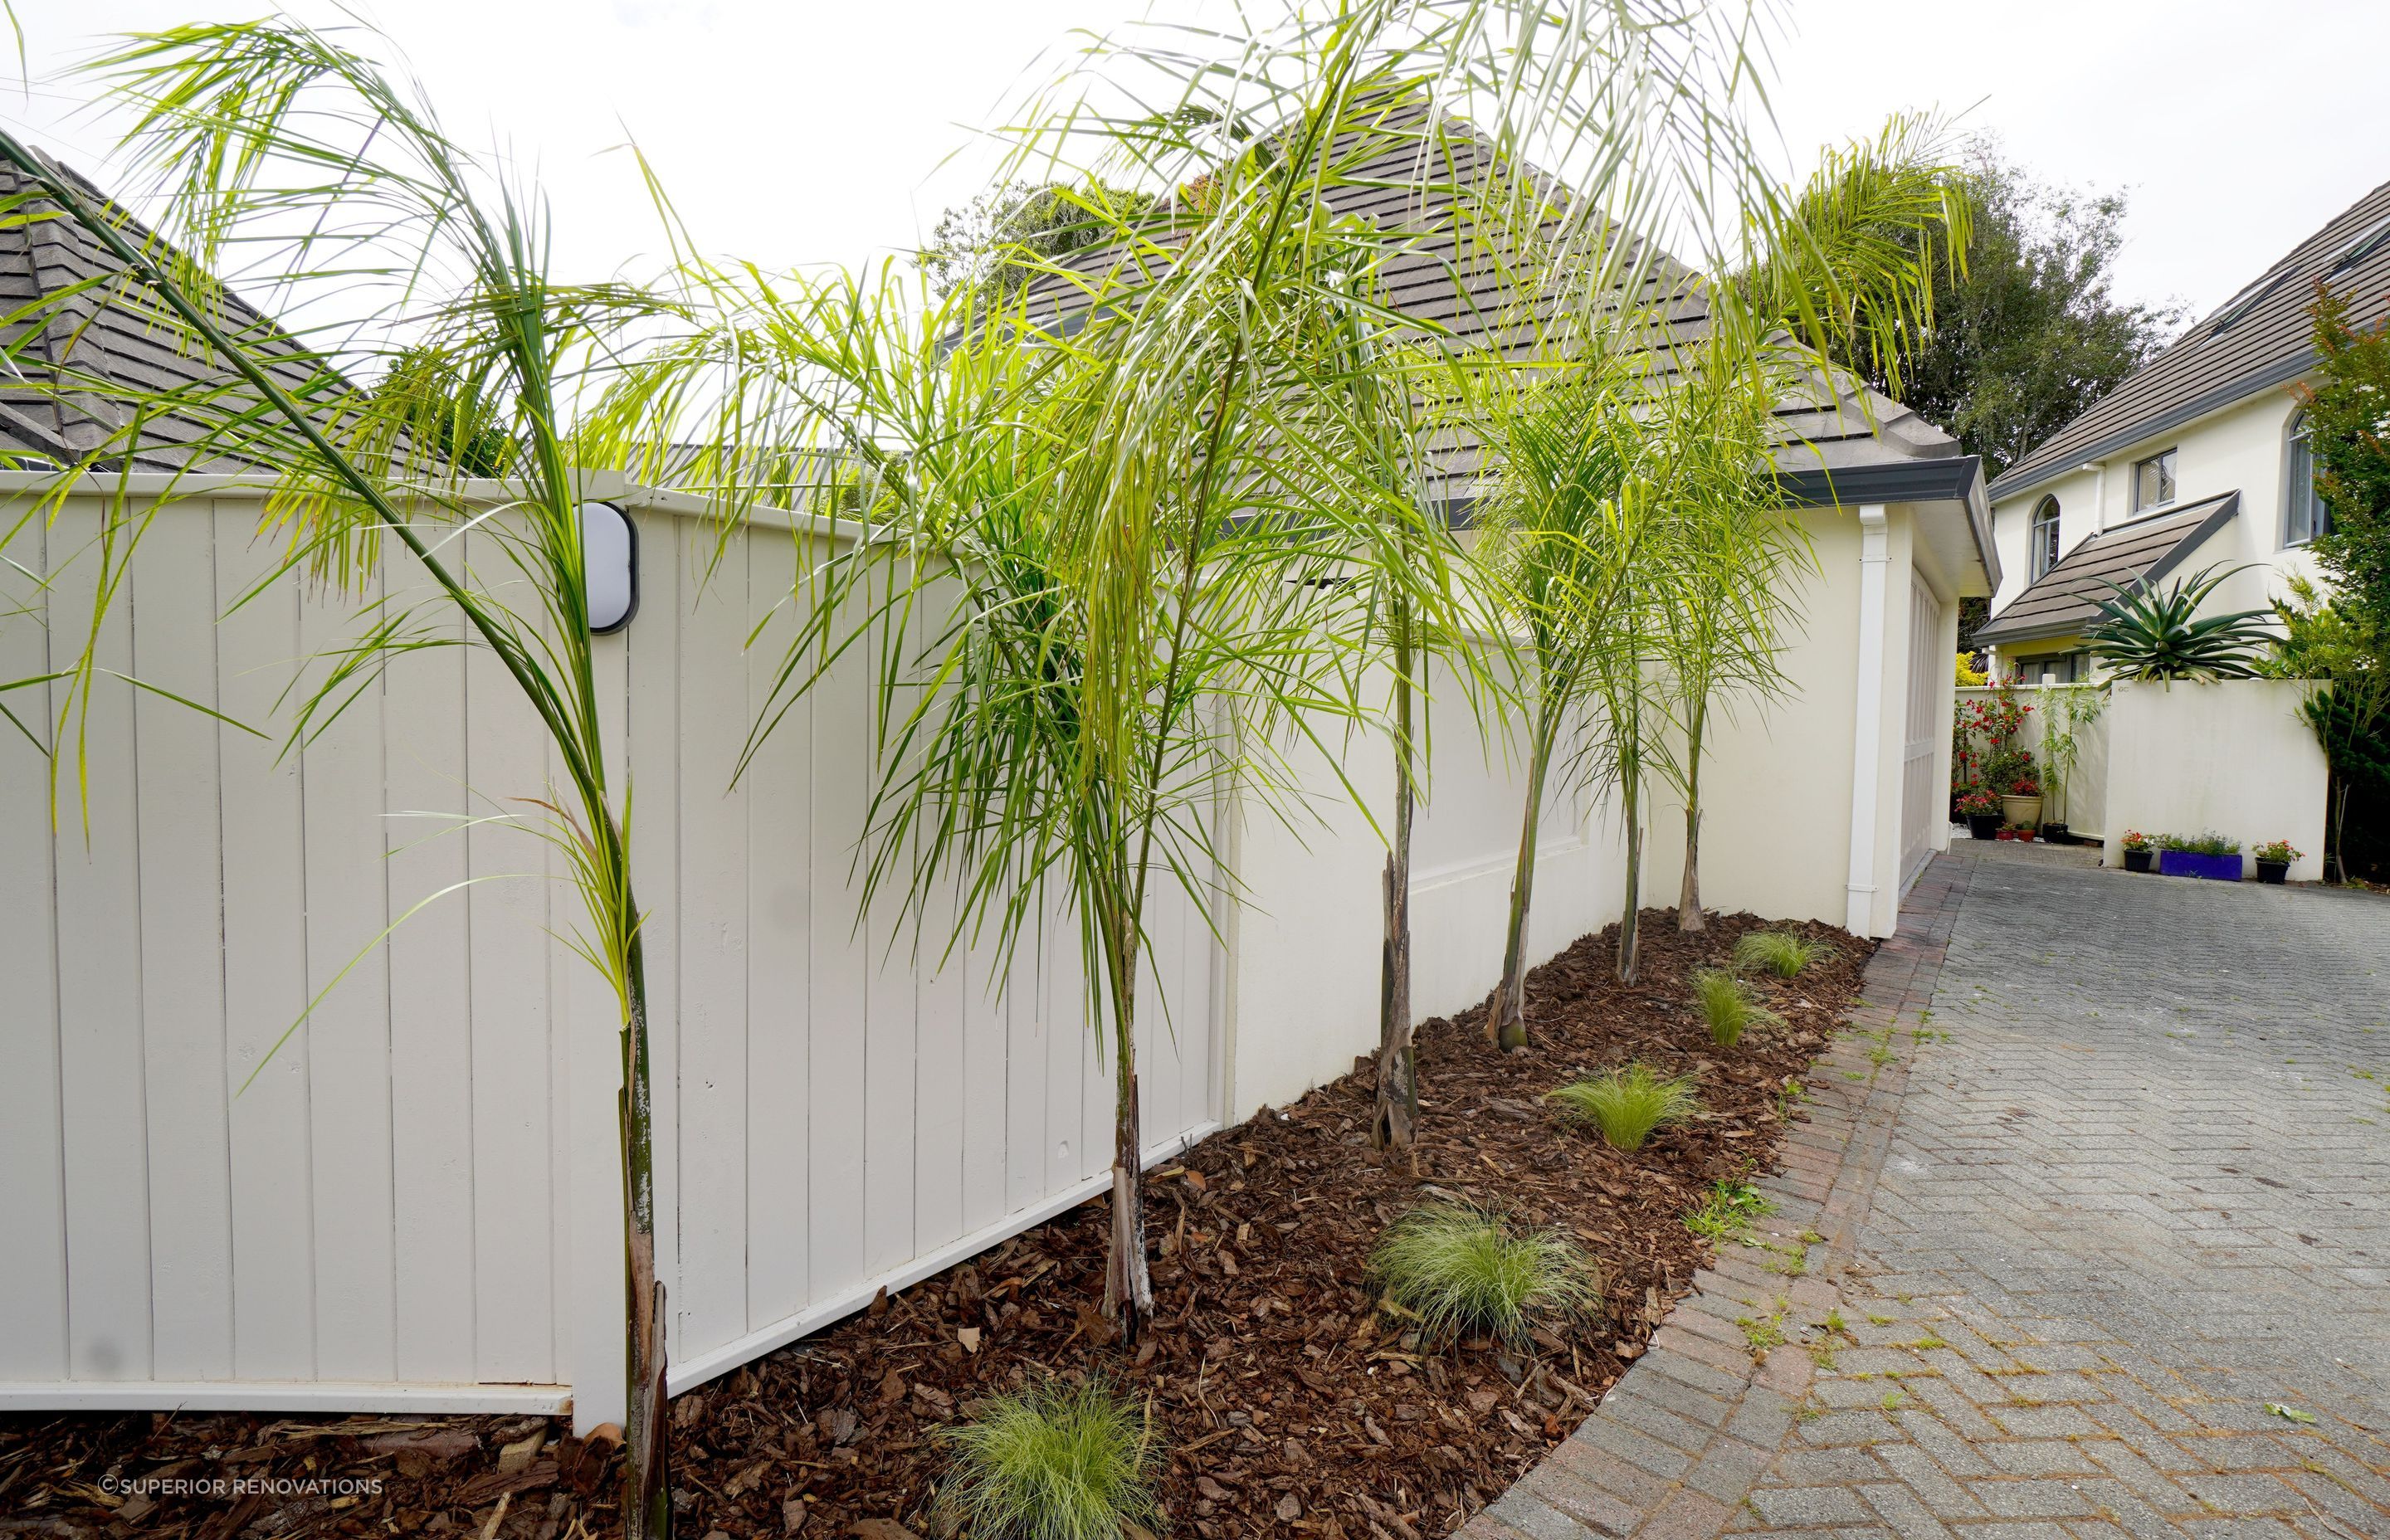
x: 1677, y: 1443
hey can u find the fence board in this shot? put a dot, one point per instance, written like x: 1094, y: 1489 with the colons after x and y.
x: 779, y: 957
x: 343, y: 787
x: 99, y: 979
x: 32, y: 1198
x: 837, y: 1053
x: 182, y: 955
x: 265, y: 967
x: 506, y: 760
x: 713, y: 1069
x: 431, y: 1006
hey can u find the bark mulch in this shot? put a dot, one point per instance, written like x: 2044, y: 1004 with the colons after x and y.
x: 1287, y: 1402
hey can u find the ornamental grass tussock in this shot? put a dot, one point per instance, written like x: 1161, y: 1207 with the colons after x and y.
x: 1470, y: 1271
x: 1728, y: 1006
x: 1628, y: 1105
x: 1778, y: 952
x: 1053, y: 1461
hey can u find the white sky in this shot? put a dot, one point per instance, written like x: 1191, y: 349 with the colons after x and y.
x: 811, y: 130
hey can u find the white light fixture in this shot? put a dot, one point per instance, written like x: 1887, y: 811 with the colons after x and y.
x: 609, y: 562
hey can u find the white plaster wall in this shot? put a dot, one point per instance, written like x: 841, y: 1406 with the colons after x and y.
x: 2235, y: 757
x: 1776, y: 785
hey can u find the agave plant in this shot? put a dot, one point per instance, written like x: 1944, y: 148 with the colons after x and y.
x: 2145, y: 634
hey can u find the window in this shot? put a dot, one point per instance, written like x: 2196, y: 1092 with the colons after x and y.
x: 2045, y: 535
x: 2154, y: 481
x: 2304, y: 515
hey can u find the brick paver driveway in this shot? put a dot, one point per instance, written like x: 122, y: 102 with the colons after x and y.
x: 2126, y: 1267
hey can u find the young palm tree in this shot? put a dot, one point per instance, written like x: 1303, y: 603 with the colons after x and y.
x: 1724, y: 605
x: 258, y: 129
x: 1575, y: 528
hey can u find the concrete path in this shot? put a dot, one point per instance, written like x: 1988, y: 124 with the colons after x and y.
x: 2127, y: 1269
x: 2088, y: 1238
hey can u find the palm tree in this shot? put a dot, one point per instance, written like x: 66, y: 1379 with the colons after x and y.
x: 258, y: 128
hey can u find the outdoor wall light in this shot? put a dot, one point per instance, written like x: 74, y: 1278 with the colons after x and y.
x: 609, y: 561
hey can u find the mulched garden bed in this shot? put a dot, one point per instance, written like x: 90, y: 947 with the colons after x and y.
x: 1287, y: 1402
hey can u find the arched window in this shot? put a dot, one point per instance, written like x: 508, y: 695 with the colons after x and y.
x: 2045, y: 535
x: 2305, y: 514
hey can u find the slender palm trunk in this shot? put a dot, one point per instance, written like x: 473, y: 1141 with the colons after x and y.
x: 1506, y: 1013
x: 1689, y: 897
x: 1397, y: 1071
x: 1128, y: 1283
x: 1630, y: 930
x: 646, y: 1489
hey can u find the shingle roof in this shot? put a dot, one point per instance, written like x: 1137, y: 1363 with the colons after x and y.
x: 1835, y: 425
x: 2260, y: 338
x: 110, y: 346
x: 2064, y: 600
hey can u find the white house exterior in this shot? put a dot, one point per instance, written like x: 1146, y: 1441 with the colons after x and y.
x: 2196, y: 460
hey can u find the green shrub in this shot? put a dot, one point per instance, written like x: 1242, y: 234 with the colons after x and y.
x: 1627, y: 1105
x: 1463, y: 1270
x: 2210, y: 844
x: 1778, y: 952
x: 1055, y: 1461
x: 1726, y: 1006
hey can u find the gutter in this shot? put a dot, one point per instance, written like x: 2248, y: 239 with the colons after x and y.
x: 1867, y: 734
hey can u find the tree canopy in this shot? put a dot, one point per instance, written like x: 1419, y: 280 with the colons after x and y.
x: 2024, y: 334
x: 999, y: 240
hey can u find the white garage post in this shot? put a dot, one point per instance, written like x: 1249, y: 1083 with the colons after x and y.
x: 1867, y: 736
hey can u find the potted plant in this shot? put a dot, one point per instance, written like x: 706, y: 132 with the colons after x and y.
x: 2209, y: 855
x: 2022, y: 832
x: 2006, y: 832
x: 2021, y: 804
x: 2274, y: 858
x: 2138, y: 851
x: 1982, y: 811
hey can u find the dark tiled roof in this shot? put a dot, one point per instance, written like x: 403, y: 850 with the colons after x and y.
x: 112, y: 345
x: 1835, y: 425
x: 2260, y: 338
x: 2064, y: 600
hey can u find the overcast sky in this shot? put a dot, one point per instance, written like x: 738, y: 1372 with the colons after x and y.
x: 811, y: 130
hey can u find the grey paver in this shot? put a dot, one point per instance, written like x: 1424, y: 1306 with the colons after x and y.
x: 2114, y: 1223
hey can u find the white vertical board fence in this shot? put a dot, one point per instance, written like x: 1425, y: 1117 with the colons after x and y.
x: 414, y: 1202
x: 384, y: 1214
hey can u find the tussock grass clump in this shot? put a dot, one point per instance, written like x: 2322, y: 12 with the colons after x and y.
x: 1054, y: 1461
x: 1629, y: 1105
x: 1464, y: 1270
x: 1778, y: 952
x: 1728, y: 1006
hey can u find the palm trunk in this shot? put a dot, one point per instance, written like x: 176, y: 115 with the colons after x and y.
x: 1689, y: 897
x: 647, y: 1490
x: 1397, y: 1106
x: 1506, y: 1013
x: 1629, y: 925
x: 1128, y: 1283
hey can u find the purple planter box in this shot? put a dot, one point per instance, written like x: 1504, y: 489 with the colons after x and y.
x: 2183, y: 863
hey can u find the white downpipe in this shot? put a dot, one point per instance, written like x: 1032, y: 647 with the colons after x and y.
x: 1867, y: 738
